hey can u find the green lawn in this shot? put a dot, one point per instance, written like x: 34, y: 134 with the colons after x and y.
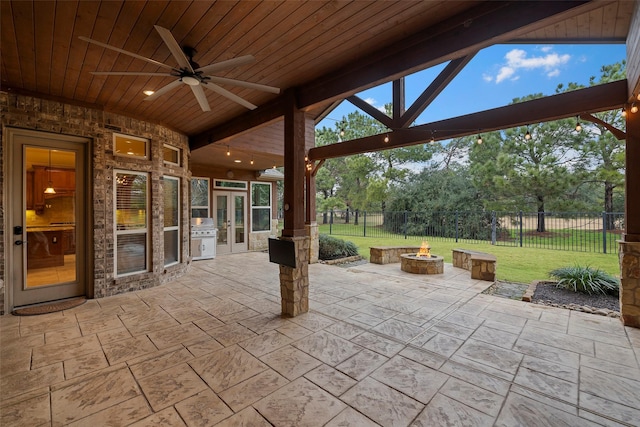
x: 515, y: 264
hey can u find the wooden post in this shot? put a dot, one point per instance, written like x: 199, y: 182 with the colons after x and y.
x: 294, y: 169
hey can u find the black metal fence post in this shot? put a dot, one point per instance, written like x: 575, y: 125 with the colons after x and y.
x: 604, y: 232
x: 331, y: 221
x: 456, y: 225
x: 493, y: 227
x: 406, y: 217
x: 520, y: 228
x: 364, y: 219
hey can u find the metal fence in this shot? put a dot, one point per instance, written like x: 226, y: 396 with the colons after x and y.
x: 570, y: 231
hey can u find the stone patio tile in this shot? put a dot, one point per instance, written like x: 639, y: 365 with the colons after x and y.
x: 382, y: 403
x: 443, y: 345
x: 34, y: 410
x: 222, y: 308
x: 559, y: 340
x: 330, y: 379
x: 610, y: 366
x: 377, y: 311
x: 543, y: 351
x: 354, y: 303
x: 426, y: 358
x: 248, y: 417
x: 16, y: 358
x: 231, y: 334
x: 443, y: 411
x: 145, y: 316
x: 476, y: 377
x: 603, y: 339
x: 411, y: 378
x: 166, y: 418
x: 622, y: 355
x: 265, y: 343
x: 473, y: 396
x: 545, y: 399
x: 327, y: 347
x: 361, y: 364
x: 203, y: 410
x: 207, y: 323
x: 301, y: 403
x: 290, y: 362
x: 177, y: 335
x: 313, y: 321
x: 547, y: 384
x: 424, y: 337
x: 491, y: 355
x: 87, y: 395
x: 523, y: 411
x: 335, y: 311
x: 57, y: 352
x: 294, y: 331
x: 495, y: 336
x: 151, y: 364
x: 60, y: 335
x: 200, y: 348
x: 131, y: 348
x: 610, y: 387
x: 85, y: 364
x: 227, y: 367
x: 366, y: 319
x: 189, y: 314
x: 557, y: 370
x: 616, y: 411
x: 239, y: 316
x: 452, y: 329
x: 384, y: 346
x: 122, y: 414
x: 170, y: 386
x: 351, y: 418
x: 506, y: 319
x: 481, y: 367
x: 112, y: 335
x: 148, y: 328
x: 264, y: 322
x: 501, y: 326
x: 253, y: 389
x: 32, y: 325
x: 22, y: 382
x: 106, y: 323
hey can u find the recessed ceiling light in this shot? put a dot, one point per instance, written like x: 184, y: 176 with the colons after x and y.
x: 148, y: 92
x: 237, y: 161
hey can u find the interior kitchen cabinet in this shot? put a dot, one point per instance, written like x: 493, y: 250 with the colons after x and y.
x: 29, y: 191
x: 62, y: 180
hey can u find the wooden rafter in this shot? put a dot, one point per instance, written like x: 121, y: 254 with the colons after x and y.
x: 371, y: 110
x: 620, y: 135
x: 569, y: 104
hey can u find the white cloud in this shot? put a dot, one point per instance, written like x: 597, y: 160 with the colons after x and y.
x: 546, y: 49
x: 516, y: 60
x: 487, y: 78
x: 370, y: 101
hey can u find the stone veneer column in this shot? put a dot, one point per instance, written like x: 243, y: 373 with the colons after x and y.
x: 630, y: 278
x: 294, y: 282
x: 313, y: 231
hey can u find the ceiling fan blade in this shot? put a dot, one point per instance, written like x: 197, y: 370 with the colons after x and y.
x: 129, y: 73
x: 229, y: 63
x: 201, y: 97
x: 242, y: 83
x: 126, y: 52
x: 163, y: 90
x: 231, y: 96
x: 174, y: 48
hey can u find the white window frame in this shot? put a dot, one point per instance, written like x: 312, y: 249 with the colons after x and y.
x: 244, y: 187
x: 177, y: 226
x: 208, y: 206
x: 175, y: 149
x: 270, y: 207
x: 131, y: 156
x: 144, y: 230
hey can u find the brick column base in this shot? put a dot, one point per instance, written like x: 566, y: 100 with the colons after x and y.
x: 294, y: 282
x: 630, y: 283
x: 313, y: 231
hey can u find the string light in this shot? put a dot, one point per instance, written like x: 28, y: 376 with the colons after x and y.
x: 341, y: 132
x: 578, y: 125
x: 386, y: 138
x: 624, y: 112
x: 634, y: 108
x: 527, y: 135
x: 479, y: 139
x: 228, y: 151
x: 433, y: 137
x: 251, y: 160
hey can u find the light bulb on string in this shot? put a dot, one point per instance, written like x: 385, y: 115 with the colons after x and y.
x: 386, y: 138
x: 228, y: 151
x: 251, y: 160
x: 578, y: 125
x: 479, y: 141
x: 624, y: 112
x: 527, y: 135
x: 433, y: 137
x: 634, y: 108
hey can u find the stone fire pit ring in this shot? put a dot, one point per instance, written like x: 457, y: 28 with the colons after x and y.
x: 411, y: 263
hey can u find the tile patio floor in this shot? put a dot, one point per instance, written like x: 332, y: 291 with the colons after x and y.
x: 379, y: 346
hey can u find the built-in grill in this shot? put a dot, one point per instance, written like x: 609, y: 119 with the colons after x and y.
x: 204, y: 237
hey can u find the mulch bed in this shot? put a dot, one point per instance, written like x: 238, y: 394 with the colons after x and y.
x: 547, y: 292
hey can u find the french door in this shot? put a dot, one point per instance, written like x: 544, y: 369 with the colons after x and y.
x: 46, y: 216
x: 230, y: 209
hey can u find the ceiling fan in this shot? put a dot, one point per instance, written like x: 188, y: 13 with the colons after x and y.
x: 189, y: 72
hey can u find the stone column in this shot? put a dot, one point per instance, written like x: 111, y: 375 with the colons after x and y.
x: 294, y: 282
x: 313, y: 231
x: 630, y: 283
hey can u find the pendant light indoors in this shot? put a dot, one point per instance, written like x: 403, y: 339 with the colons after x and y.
x: 49, y: 189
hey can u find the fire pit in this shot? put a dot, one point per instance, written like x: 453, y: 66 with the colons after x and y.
x: 422, y: 262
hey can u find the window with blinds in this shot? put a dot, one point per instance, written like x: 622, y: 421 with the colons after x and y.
x: 199, y: 197
x: 132, y: 198
x: 260, y: 206
x: 171, y: 220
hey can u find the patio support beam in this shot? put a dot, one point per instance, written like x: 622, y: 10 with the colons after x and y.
x: 371, y: 110
x: 569, y: 104
x: 294, y: 168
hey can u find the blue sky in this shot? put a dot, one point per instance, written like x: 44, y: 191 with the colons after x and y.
x: 495, y: 76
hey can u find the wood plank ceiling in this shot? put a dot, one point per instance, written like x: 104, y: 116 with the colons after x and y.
x: 295, y: 44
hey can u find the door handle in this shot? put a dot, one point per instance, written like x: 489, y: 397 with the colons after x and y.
x: 19, y: 242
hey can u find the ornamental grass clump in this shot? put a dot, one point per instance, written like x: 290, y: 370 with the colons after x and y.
x: 333, y: 248
x: 586, y: 280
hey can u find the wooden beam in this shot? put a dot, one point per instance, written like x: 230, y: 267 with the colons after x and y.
x: 487, y: 24
x: 620, y: 135
x: 371, y: 110
x: 435, y: 88
x: 317, y: 167
x: 569, y: 104
x: 398, y: 102
x: 294, y: 169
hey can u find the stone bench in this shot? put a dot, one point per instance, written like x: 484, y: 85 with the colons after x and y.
x: 390, y: 254
x: 481, y: 265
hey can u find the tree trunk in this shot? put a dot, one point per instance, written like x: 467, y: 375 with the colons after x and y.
x: 325, y: 217
x: 541, y: 227
x: 608, y: 204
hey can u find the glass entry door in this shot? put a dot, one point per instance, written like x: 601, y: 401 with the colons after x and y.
x: 47, y: 217
x: 230, y: 209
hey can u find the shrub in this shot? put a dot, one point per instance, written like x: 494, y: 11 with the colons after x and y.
x: 334, y: 248
x: 585, y: 280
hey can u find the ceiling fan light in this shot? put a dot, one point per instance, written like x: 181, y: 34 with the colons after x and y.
x: 190, y: 80
x: 148, y: 92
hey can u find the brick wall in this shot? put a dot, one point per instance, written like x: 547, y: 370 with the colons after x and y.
x: 32, y: 113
